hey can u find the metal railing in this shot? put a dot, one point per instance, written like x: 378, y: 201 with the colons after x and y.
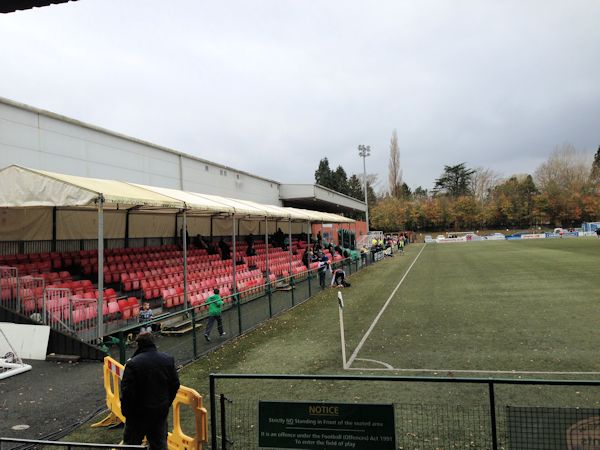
x: 34, y: 443
x: 71, y: 245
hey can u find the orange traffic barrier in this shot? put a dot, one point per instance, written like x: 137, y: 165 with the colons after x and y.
x: 186, y: 397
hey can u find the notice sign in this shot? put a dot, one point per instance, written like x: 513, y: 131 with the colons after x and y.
x: 305, y: 425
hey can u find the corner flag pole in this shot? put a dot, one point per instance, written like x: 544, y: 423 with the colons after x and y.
x: 341, y: 309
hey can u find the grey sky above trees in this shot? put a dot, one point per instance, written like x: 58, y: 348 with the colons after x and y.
x: 272, y: 87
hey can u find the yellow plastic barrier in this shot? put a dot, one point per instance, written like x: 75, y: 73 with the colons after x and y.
x: 177, y: 439
x: 113, y: 372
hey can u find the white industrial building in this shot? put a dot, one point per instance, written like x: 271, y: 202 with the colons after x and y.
x: 38, y: 139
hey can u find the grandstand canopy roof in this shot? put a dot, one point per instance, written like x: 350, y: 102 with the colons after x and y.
x: 314, y: 196
x: 22, y: 187
x: 7, y: 6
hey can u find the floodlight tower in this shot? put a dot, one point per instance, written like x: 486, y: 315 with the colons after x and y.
x: 364, y: 151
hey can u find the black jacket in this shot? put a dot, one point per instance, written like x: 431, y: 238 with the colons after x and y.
x: 149, y: 385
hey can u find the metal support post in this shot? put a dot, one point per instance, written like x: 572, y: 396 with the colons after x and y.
x: 122, y: 351
x: 236, y: 296
x: 213, y: 412
x: 100, y: 318
x: 185, y: 261
x: 291, y: 257
x: 364, y: 151
x: 493, y: 416
x: 223, y: 423
x: 127, y: 227
x: 194, y: 343
x: 53, y: 229
x: 268, y: 283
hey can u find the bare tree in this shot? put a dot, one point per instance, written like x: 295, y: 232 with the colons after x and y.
x: 482, y: 183
x: 566, y: 170
x: 395, y: 171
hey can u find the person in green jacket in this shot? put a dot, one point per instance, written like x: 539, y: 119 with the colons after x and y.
x: 215, y: 304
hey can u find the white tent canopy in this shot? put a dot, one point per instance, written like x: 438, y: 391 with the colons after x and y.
x: 21, y: 187
x: 192, y: 201
x: 318, y: 216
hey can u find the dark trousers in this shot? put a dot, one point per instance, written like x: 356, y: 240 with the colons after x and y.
x: 211, y: 322
x: 322, y: 279
x: 154, y: 428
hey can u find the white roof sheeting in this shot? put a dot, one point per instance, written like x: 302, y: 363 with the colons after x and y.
x: 21, y: 187
x: 192, y: 201
x: 279, y: 212
x: 319, y: 216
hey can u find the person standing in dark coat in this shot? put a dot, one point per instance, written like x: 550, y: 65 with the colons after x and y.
x: 149, y: 386
x: 225, y: 252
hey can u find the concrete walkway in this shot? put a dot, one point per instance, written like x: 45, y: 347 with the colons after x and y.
x: 50, y: 397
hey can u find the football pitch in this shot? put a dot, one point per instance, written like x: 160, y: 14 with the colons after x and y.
x: 486, y: 308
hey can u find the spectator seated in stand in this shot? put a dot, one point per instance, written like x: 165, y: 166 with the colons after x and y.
x: 212, y: 249
x: 250, y: 250
x: 200, y: 243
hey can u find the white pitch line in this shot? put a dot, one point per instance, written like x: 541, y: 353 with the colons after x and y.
x: 384, y: 364
x: 366, y: 336
x: 453, y: 371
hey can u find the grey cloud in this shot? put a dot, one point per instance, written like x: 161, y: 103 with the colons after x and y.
x: 271, y: 87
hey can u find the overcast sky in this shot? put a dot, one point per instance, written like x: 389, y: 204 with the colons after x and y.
x: 273, y: 86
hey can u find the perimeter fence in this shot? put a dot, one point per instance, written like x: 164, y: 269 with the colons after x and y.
x: 23, y: 444
x: 431, y: 413
x: 182, y: 332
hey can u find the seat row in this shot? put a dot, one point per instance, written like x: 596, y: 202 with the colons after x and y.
x: 153, y: 288
x: 132, y: 281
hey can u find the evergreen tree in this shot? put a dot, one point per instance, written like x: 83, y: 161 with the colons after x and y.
x: 405, y: 191
x: 455, y: 181
x: 324, y: 175
x: 595, y: 174
x: 340, y: 181
x: 355, y: 188
x: 420, y: 193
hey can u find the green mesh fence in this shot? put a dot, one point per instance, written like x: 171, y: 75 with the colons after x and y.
x: 240, y: 314
x: 441, y: 413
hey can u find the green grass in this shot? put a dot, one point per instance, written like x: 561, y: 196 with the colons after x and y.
x: 497, y: 306
x: 502, y: 306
